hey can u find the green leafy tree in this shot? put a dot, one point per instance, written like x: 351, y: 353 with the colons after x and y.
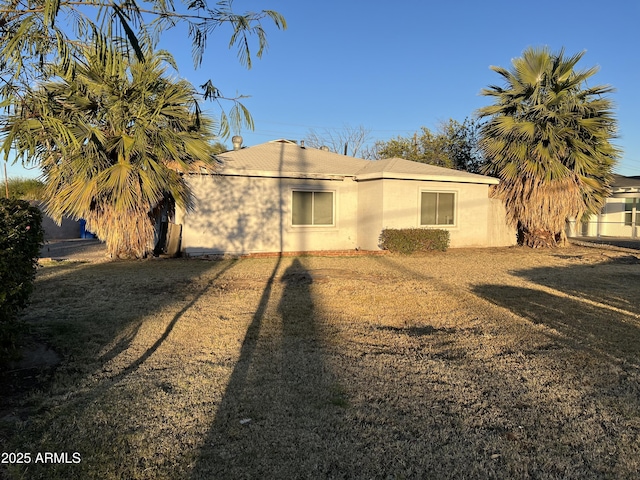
x: 39, y: 38
x: 21, y: 237
x: 462, y: 144
x: 112, y: 139
x: 25, y: 188
x: 425, y: 147
x: 549, y: 139
x: 219, y: 147
x: 454, y: 145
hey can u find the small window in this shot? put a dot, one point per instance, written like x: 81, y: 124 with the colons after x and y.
x: 312, y: 208
x: 437, y: 208
x: 629, y: 205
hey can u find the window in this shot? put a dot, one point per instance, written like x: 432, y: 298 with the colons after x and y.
x: 312, y: 208
x: 437, y: 208
x: 629, y: 205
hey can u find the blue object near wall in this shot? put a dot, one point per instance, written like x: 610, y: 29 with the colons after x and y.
x: 84, y: 233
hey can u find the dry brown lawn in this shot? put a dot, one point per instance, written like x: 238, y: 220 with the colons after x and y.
x: 497, y: 363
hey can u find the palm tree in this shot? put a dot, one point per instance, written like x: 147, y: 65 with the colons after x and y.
x: 548, y: 139
x: 112, y: 140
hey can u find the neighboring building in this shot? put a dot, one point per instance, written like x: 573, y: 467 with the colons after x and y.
x: 282, y: 197
x: 620, y: 216
x: 67, y: 229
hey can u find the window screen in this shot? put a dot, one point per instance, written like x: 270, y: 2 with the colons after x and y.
x: 437, y: 208
x: 312, y: 208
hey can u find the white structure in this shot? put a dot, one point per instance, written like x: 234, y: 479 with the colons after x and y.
x: 282, y: 197
x: 620, y: 216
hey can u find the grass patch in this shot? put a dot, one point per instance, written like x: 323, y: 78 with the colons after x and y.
x: 497, y: 363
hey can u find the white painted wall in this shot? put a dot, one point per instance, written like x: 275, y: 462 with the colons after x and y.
x: 238, y: 215
x: 610, y: 223
x: 370, y: 217
x: 612, y: 219
x: 479, y: 222
x: 253, y: 214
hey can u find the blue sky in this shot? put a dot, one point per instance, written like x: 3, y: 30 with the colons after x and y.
x: 393, y: 67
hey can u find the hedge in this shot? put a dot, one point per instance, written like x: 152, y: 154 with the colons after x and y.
x: 21, y: 237
x: 410, y: 240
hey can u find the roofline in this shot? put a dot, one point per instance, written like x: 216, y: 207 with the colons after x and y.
x: 480, y: 179
x: 625, y: 192
x: 433, y: 178
x: 275, y: 174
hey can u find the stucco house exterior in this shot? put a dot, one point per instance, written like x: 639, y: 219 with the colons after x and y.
x: 620, y: 216
x: 282, y: 197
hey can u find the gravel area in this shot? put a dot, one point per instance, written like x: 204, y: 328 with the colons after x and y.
x: 616, y: 242
x: 76, y: 249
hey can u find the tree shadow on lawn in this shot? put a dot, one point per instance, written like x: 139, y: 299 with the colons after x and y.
x: 281, y: 399
x: 592, y: 306
x: 518, y: 401
x: 91, y: 314
x: 613, y: 283
x: 296, y: 407
x: 406, y: 410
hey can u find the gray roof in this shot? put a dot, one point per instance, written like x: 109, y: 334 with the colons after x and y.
x: 282, y: 158
x: 620, y: 181
x: 406, y: 169
x: 625, y: 187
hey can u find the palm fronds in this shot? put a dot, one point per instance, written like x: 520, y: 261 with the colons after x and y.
x: 108, y: 138
x: 549, y: 139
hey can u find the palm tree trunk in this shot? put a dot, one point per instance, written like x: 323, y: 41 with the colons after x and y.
x: 538, y: 238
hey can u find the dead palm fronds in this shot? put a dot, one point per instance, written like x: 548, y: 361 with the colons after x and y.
x: 111, y: 140
x: 548, y: 139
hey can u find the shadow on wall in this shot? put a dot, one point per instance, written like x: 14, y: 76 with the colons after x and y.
x: 233, y: 215
x: 242, y: 214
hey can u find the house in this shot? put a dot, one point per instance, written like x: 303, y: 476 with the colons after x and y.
x: 282, y: 197
x: 620, y: 216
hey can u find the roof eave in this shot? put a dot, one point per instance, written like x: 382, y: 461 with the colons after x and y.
x: 433, y: 178
x: 275, y: 174
x: 625, y: 192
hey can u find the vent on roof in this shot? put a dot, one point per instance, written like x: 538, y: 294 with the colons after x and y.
x: 237, y: 142
x: 324, y: 148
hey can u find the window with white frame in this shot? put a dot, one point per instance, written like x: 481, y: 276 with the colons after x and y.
x: 312, y: 208
x: 437, y: 208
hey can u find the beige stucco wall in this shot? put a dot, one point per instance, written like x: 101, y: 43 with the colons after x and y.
x: 499, y: 232
x: 393, y: 203
x: 237, y: 215
x: 370, y: 217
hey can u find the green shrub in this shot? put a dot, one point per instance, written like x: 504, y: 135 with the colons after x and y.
x: 25, y: 188
x: 409, y: 240
x: 21, y: 237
